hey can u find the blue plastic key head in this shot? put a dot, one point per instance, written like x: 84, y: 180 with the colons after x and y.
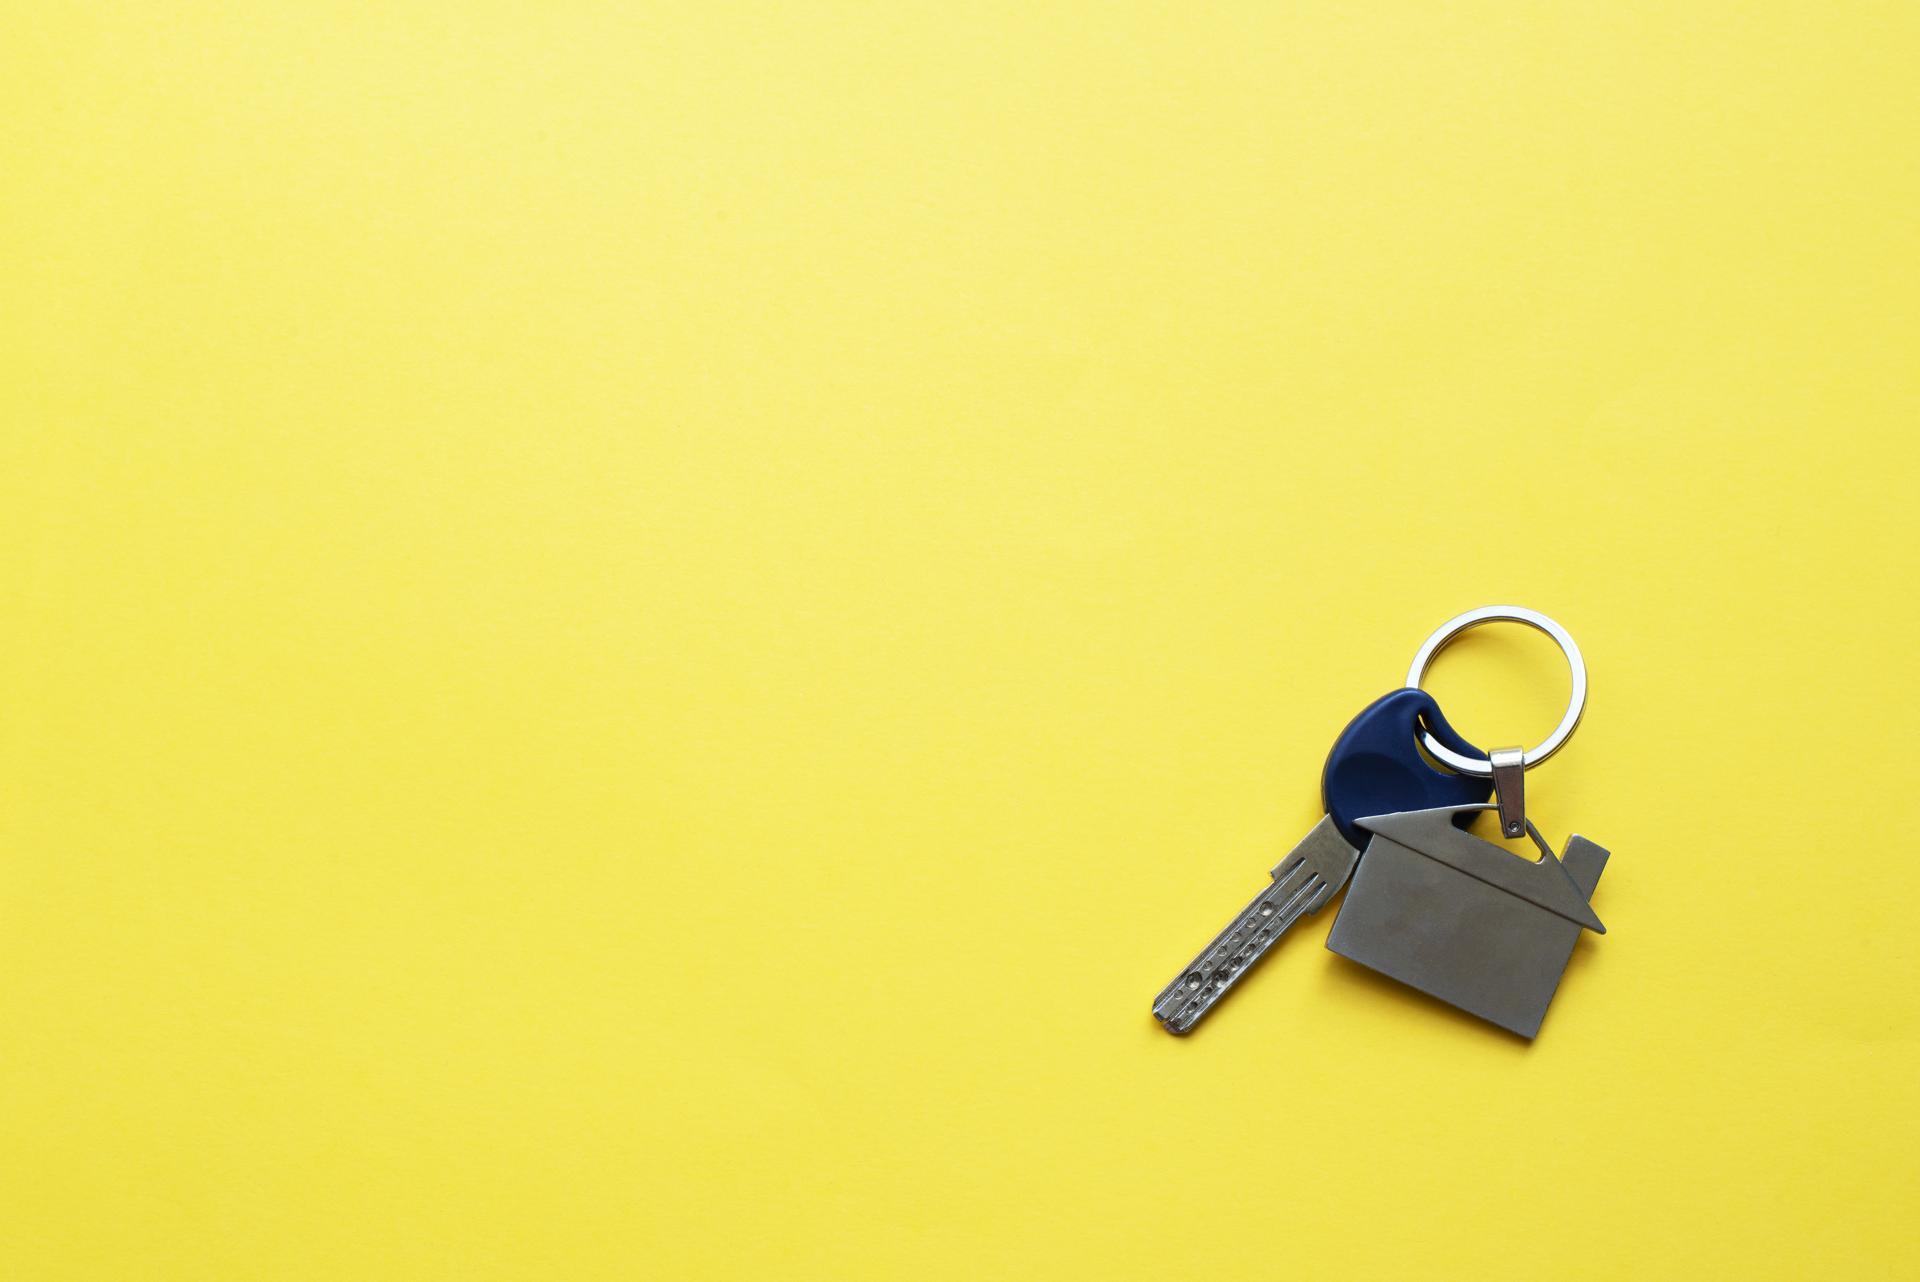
x: 1376, y: 767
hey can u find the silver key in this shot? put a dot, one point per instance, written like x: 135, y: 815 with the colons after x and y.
x: 1302, y: 884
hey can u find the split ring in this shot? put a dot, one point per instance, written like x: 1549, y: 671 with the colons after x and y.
x: 1576, y: 703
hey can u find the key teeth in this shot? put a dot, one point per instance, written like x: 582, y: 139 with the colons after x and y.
x: 1239, y: 948
x: 1312, y: 872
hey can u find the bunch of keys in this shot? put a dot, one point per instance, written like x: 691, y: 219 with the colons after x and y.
x: 1431, y: 905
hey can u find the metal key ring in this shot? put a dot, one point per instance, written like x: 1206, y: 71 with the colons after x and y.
x: 1576, y: 703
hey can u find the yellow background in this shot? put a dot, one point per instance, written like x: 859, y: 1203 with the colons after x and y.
x: 632, y: 636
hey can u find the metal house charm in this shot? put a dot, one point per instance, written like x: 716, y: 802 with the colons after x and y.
x: 1465, y: 920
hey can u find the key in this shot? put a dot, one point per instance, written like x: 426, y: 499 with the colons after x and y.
x: 1375, y: 768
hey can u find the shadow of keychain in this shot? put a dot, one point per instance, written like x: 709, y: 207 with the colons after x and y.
x: 1423, y: 915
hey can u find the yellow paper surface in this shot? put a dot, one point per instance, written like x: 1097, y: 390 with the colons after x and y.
x: 632, y: 636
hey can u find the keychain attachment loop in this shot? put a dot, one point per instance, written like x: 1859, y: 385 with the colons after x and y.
x: 1576, y: 666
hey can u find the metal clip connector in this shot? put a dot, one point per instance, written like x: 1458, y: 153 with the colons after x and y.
x: 1509, y: 787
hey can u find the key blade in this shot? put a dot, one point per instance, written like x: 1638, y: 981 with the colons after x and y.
x: 1207, y: 978
x: 1302, y: 884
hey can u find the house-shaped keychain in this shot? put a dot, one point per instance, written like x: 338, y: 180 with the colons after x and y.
x: 1465, y: 920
